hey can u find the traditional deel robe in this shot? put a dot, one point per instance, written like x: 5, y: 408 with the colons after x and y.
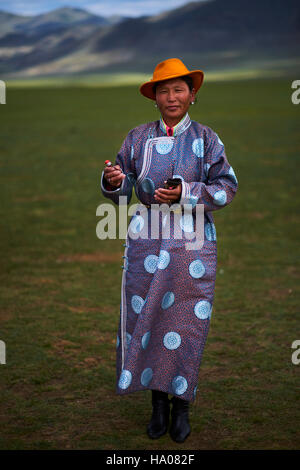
x: 168, y: 291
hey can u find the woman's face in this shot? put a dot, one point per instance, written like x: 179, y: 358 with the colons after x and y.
x: 173, y: 98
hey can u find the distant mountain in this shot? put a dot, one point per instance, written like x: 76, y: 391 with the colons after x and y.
x: 61, y: 18
x: 52, y: 21
x: 10, y: 22
x: 35, y: 40
x: 213, y: 33
x: 212, y: 26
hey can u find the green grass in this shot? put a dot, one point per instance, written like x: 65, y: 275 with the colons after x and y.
x: 60, y: 285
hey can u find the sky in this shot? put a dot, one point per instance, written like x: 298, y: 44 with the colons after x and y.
x: 132, y: 8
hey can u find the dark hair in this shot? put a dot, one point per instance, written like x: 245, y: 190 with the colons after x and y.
x: 188, y: 80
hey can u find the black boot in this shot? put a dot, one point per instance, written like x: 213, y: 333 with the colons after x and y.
x: 180, y: 426
x: 159, y: 423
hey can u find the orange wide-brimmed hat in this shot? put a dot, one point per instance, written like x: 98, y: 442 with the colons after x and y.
x: 170, y: 68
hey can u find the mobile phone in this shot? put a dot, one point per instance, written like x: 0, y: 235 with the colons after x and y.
x: 172, y: 183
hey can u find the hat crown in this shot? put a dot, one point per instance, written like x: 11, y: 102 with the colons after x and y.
x: 168, y: 68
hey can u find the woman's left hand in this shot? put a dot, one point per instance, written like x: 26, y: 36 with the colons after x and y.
x: 168, y: 196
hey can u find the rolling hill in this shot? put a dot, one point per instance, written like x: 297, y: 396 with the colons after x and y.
x: 215, y: 33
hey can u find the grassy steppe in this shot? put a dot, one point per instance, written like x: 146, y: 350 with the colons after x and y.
x: 60, y: 285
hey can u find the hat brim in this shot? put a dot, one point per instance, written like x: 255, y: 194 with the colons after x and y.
x: 146, y: 89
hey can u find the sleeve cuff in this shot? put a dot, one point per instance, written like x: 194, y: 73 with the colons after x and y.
x: 107, y: 188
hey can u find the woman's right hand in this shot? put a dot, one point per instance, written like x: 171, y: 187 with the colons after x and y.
x: 114, y: 175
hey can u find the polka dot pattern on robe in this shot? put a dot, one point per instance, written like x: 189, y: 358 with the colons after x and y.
x: 128, y: 339
x: 202, y: 310
x: 150, y: 263
x: 196, y: 269
x: 198, y: 147
x: 168, y: 300
x: 179, y: 384
x: 172, y: 340
x: 146, y: 376
x: 146, y: 339
x: 163, y: 259
x: 153, y: 262
x: 220, y: 197
x: 137, y: 303
x: 125, y: 379
x: 164, y: 146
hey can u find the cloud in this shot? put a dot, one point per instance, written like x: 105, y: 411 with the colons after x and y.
x: 133, y: 7
x: 103, y: 7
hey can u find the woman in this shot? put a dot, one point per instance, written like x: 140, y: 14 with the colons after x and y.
x: 168, y: 290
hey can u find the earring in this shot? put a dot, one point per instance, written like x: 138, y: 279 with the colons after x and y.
x: 193, y: 102
x: 155, y: 105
